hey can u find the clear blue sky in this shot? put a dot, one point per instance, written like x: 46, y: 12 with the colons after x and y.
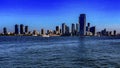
x: 47, y: 14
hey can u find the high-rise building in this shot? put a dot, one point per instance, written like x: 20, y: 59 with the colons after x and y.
x: 114, y: 32
x: 16, y: 29
x: 88, y: 24
x: 26, y: 29
x: 104, y: 32
x: 73, y: 29
x: 42, y: 32
x: 60, y: 30
x: 77, y: 27
x: 88, y: 27
x: 5, y: 30
x: 35, y: 33
x: 67, y: 30
x: 63, y: 28
x: 57, y: 30
x: 21, y: 29
x: 82, y: 24
x: 93, y: 30
x: 48, y: 32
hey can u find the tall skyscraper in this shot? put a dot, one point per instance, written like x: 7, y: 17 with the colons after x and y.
x: 5, y: 30
x: 88, y: 27
x: 57, y: 30
x: 77, y: 27
x: 63, y: 28
x: 93, y: 30
x: 88, y: 24
x: 16, y: 29
x: 60, y: 30
x: 82, y: 24
x: 73, y: 29
x: 21, y: 29
x: 26, y: 29
x: 67, y: 30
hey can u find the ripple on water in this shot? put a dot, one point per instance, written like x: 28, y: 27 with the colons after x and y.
x: 59, y: 52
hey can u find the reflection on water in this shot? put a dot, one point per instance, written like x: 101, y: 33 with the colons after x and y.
x: 55, y: 52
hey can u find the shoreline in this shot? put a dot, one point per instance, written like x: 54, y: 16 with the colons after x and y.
x: 58, y: 36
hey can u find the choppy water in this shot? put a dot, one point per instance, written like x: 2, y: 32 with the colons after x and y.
x: 59, y: 52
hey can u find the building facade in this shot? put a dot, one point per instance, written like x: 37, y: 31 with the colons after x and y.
x: 63, y: 28
x: 16, y: 29
x: 21, y: 29
x: 82, y: 24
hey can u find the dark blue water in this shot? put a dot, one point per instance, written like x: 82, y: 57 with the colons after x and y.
x: 59, y: 52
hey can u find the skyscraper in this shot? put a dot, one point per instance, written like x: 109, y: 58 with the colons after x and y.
x: 63, y: 28
x: 82, y: 24
x: 16, y: 29
x: 77, y: 27
x: 42, y: 32
x: 73, y: 29
x: 93, y: 30
x: 26, y: 29
x: 57, y: 30
x: 88, y: 24
x: 88, y: 27
x: 21, y: 29
x: 5, y: 30
x: 67, y: 30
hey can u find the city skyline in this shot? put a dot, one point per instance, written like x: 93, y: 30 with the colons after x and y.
x: 48, y: 13
x: 76, y: 29
x: 82, y: 27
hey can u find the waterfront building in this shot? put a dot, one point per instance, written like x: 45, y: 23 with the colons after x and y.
x: 73, y: 29
x: 93, y: 30
x: 88, y: 27
x: 26, y: 29
x: 77, y: 28
x: 57, y: 30
x: 82, y: 24
x: 21, y: 29
x: 110, y: 33
x: 54, y: 32
x: 42, y: 32
x: 5, y: 31
x: 114, y: 32
x: 16, y: 29
x: 35, y: 33
x: 67, y: 31
x: 48, y: 32
x: 63, y: 28
x: 29, y: 33
x: 60, y: 31
x: 104, y: 32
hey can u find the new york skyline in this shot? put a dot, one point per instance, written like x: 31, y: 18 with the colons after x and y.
x: 77, y: 29
x: 48, y: 13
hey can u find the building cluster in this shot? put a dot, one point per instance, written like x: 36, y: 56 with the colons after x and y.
x: 79, y: 29
x: 107, y: 33
x: 18, y: 30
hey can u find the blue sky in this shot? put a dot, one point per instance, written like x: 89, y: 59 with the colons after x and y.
x: 47, y: 14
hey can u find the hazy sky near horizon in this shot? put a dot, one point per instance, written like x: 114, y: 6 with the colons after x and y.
x: 47, y: 14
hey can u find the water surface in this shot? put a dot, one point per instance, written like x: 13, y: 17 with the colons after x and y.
x: 59, y: 52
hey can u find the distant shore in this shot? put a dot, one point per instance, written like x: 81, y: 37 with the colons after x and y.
x: 62, y: 35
